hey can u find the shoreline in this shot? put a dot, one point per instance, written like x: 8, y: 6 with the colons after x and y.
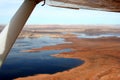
x: 101, y: 58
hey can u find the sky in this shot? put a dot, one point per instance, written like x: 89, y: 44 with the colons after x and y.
x: 52, y: 15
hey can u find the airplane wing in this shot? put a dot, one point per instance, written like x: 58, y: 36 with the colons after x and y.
x: 106, y: 5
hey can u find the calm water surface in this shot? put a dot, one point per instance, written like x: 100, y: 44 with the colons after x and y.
x: 83, y: 35
x: 22, y: 64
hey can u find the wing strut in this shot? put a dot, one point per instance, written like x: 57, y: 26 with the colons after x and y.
x: 11, y: 31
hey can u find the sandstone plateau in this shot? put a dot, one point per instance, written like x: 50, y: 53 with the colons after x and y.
x: 101, y: 56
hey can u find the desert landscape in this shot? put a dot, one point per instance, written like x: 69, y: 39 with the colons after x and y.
x: 97, y: 46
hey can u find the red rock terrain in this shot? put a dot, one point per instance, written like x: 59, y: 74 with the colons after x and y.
x: 101, y: 56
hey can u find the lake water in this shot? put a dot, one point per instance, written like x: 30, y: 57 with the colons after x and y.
x: 83, y: 35
x: 22, y: 64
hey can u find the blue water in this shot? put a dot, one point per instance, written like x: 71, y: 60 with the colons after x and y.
x: 23, y: 64
x: 83, y: 35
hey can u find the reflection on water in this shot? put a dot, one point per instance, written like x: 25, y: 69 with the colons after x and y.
x: 20, y: 64
x: 83, y: 35
x: 29, y: 43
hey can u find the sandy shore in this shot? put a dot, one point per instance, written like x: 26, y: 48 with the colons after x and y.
x: 101, y: 56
